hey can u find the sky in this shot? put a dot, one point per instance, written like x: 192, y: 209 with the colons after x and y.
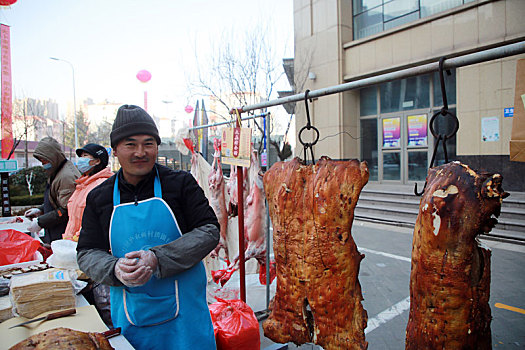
x: 109, y: 42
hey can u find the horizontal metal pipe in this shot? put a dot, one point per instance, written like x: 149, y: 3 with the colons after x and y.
x: 228, y: 121
x: 460, y: 61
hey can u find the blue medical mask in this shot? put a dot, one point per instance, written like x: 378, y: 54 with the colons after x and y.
x: 83, y: 165
x: 47, y: 166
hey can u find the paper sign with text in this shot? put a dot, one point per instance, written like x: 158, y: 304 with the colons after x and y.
x: 236, y: 146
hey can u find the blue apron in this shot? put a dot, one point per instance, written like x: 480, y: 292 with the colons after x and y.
x: 167, y: 313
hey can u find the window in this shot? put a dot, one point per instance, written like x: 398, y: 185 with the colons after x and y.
x: 450, y: 88
x: 365, y: 5
x: 391, y: 166
x: 399, y: 8
x: 430, y: 7
x: 374, y: 16
x: 369, y: 146
x: 405, y: 94
x: 368, y: 101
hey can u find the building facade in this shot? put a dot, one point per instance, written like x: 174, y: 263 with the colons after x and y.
x: 338, y: 41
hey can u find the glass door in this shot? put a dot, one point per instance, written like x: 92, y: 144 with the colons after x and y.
x: 391, y: 162
x: 404, y: 147
x: 416, y: 152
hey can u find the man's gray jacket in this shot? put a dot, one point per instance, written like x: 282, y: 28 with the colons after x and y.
x: 195, y: 217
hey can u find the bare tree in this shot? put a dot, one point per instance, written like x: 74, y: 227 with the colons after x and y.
x: 101, y: 135
x: 29, y: 181
x: 242, y: 69
x: 23, y: 111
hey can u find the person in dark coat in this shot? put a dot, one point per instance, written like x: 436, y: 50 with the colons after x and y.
x: 144, y: 232
x: 52, y: 216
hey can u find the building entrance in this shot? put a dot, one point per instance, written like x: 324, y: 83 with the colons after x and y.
x: 404, y: 147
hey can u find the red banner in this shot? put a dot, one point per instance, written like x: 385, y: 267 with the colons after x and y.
x: 7, y: 101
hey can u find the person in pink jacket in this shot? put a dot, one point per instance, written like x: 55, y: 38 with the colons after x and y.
x: 92, y: 164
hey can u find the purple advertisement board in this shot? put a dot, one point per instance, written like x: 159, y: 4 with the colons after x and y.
x: 417, y: 130
x: 391, y: 132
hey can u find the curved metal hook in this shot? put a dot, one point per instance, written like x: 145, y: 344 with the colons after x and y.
x: 422, y: 191
x: 308, y: 123
x: 442, y: 81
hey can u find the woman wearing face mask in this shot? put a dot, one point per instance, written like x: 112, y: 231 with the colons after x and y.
x: 52, y: 216
x: 92, y: 164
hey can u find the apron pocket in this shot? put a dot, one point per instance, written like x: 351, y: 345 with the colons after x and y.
x: 143, y: 310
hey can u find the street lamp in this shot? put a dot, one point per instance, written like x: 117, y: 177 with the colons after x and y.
x: 74, y: 98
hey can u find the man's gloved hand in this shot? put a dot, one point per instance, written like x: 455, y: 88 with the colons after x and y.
x: 130, y: 273
x: 32, y: 213
x: 34, y: 227
x: 145, y: 258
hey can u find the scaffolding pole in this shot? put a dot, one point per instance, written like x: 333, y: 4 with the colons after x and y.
x: 454, y: 62
x: 231, y: 122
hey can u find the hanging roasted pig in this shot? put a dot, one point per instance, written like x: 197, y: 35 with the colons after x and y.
x: 450, y: 277
x: 318, y: 297
x: 255, y: 226
x: 217, y: 201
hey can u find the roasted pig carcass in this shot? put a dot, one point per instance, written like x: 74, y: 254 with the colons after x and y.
x: 255, y: 219
x: 218, y: 201
x: 450, y: 277
x: 64, y: 338
x: 232, y: 189
x: 318, y: 297
x: 255, y: 226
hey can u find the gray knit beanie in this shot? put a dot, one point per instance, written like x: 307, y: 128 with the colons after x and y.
x: 132, y: 120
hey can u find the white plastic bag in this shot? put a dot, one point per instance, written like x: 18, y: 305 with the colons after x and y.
x: 64, y: 254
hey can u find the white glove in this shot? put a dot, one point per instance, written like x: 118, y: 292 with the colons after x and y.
x: 34, y: 227
x: 32, y: 213
x: 145, y: 258
x: 130, y: 273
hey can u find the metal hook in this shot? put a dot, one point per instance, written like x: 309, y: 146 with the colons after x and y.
x: 442, y: 82
x: 308, y: 126
x: 440, y: 137
x: 308, y: 123
x: 422, y: 191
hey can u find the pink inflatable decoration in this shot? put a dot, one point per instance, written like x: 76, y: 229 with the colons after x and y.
x: 144, y: 76
x: 188, y: 109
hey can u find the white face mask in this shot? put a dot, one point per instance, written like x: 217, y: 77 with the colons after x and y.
x: 83, y: 164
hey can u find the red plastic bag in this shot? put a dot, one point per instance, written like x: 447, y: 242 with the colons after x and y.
x: 16, y: 247
x: 235, y: 325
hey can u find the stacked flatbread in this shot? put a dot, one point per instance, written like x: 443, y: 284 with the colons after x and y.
x: 38, y: 292
x: 6, y: 311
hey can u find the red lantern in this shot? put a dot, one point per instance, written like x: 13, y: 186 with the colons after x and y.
x: 7, y: 2
x: 188, y: 109
x: 144, y: 76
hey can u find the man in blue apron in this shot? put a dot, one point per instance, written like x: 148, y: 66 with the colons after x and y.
x: 144, y: 232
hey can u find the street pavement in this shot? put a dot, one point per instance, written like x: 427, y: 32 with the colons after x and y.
x: 385, y: 274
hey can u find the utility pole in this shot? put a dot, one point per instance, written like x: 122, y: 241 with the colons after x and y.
x: 74, y: 97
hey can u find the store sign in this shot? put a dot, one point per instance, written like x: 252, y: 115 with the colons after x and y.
x: 7, y: 166
x: 391, y: 133
x: 408, y: 104
x: 236, y: 146
x: 417, y: 130
x: 508, y: 112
